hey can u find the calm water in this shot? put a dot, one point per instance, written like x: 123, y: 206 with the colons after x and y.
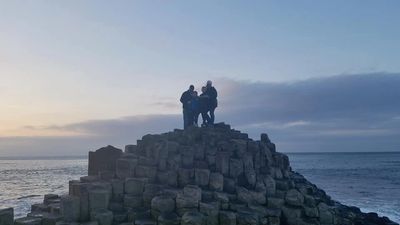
x: 370, y: 181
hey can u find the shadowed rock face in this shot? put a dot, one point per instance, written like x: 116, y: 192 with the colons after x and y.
x: 200, y: 176
x: 103, y: 161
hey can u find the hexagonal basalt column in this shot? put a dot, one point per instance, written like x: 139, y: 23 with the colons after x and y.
x: 7, y: 216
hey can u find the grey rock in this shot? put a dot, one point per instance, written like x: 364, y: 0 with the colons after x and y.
x: 51, y: 219
x: 7, y: 216
x: 125, y: 167
x: 149, y: 172
x: 239, y: 147
x: 89, y: 179
x: 325, y: 214
x: 294, y: 197
x: 274, y: 220
x: 248, y: 196
x: 131, y: 149
x: 55, y: 208
x: 221, y: 197
x: 202, y: 177
x: 193, y: 218
x: 67, y: 223
x: 80, y: 190
x: 270, y: 185
x: 186, y: 203
x: 311, y: 212
x: 168, y: 219
x: 70, y: 208
x: 116, y: 206
x: 187, y: 157
x: 98, y: 199
x: 309, y: 201
x: 252, y: 146
x: 103, y: 159
x: 89, y: 223
x: 138, y: 213
x: 264, y: 138
x: 247, y: 218
x: 40, y: 207
x: 172, y: 179
x: 222, y: 162
x: 120, y: 216
x: 102, y: 216
x: 185, y: 176
x: 162, y: 205
x: 229, y: 185
x: 236, y: 205
x: 248, y: 161
x: 133, y: 201
x: 227, y: 218
x: 193, y: 191
x: 282, y: 185
x: 207, y: 196
x: 216, y: 182
x: 50, y: 198
x: 28, y: 221
x: 275, y: 202
x: 210, y: 210
x: 291, y: 215
x: 250, y: 175
x: 145, y: 222
x: 235, y: 167
x: 135, y: 186
x: 117, y: 188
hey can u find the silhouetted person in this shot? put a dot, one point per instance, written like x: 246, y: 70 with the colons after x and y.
x: 211, y: 92
x: 204, y: 106
x: 195, y: 109
x: 186, y: 99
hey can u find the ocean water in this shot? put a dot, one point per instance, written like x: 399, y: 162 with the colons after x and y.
x: 24, y: 182
x: 370, y: 181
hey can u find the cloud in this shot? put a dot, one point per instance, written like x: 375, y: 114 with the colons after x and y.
x: 339, y: 113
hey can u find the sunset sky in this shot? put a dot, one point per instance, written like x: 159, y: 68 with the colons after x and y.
x: 315, y: 75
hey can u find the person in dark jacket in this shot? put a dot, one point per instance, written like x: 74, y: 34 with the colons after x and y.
x: 203, y: 106
x: 211, y: 92
x: 195, y: 109
x: 186, y: 99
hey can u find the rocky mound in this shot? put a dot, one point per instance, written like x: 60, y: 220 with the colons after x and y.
x: 200, y: 176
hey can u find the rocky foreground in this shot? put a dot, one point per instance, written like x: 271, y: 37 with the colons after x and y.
x: 200, y: 176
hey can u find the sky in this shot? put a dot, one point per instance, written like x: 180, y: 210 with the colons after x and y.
x: 317, y: 76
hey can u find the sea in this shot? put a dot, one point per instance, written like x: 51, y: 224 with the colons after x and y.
x: 370, y: 181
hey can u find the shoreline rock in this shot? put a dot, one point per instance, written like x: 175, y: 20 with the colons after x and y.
x: 199, y: 176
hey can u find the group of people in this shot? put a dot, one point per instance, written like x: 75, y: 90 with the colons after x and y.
x: 195, y: 104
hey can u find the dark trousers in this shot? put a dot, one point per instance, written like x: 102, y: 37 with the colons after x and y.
x: 205, y: 117
x: 187, y: 118
x: 195, y: 117
x: 212, y: 115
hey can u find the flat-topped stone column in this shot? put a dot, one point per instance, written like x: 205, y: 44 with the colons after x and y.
x: 7, y: 216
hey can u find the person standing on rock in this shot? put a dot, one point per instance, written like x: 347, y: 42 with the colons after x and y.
x: 211, y: 92
x: 186, y: 99
x: 204, y: 106
x: 195, y: 109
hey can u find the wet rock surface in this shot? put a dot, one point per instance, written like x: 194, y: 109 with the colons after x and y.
x: 199, y: 176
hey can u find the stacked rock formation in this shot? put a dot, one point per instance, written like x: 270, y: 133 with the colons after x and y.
x: 199, y: 176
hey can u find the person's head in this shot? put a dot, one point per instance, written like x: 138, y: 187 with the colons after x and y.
x: 194, y: 93
x: 209, y: 83
x: 203, y: 89
x: 191, y: 88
